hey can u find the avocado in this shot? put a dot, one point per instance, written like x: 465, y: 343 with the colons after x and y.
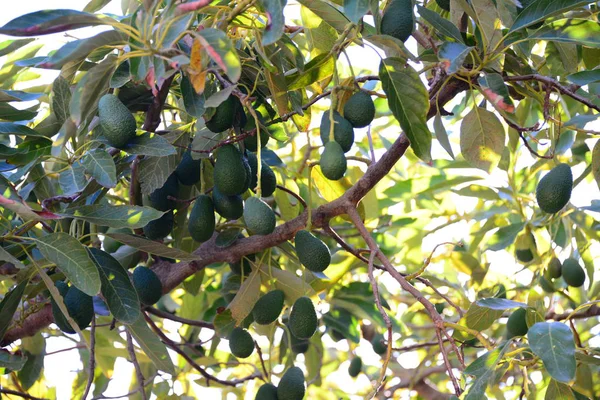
x: 268, y: 307
x: 224, y: 115
x: 241, y: 343
x: 159, y: 199
x: 554, y: 270
x: 303, y: 318
x: 355, y: 367
x: 572, y: 273
x: 111, y: 245
x: 147, y: 285
x: 116, y: 121
x: 312, y: 252
x: 79, y: 305
x: 444, y: 4
x: 228, y: 207
x: 379, y: 344
x: 299, y: 346
x: 159, y: 228
x: 188, y: 170
x: 291, y: 385
x: 267, y: 391
x: 517, y: 323
x: 554, y: 189
x: 236, y: 267
x: 343, y: 133
x: 268, y: 180
x: 524, y: 247
x: 230, y: 173
x: 359, y: 109
x: 546, y: 285
x: 251, y: 143
x: 398, y: 20
x: 258, y: 216
x: 333, y: 161
x: 201, y: 224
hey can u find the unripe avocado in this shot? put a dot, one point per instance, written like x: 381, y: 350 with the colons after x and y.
x: 525, y: 246
x: 398, y: 20
x: 359, y: 109
x: 355, y: 367
x: 79, y: 305
x: 379, y: 345
x: 517, y: 323
x: 116, y: 121
x: 572, y: 273
x: 268, y: 180
x: 343, y: 133
x: 546, y: 285
x: 554, y: 189
x: 291, y: 386
x: 159, y: 199
x: 252, y: 144
x: 229, y: 172
x: 259, y: 217
x: 229, y: 207
x: 223, y: 117
x: 159, y: 228
x: 268, y: 307
x: 147, y: 285
x: 188, y: 170
x: 444, y: 4
x: 111, y: 245
x: 333, y: 161
x: 554, y: 268
x: 303, y: 318
x: 299, y: 346
x: 241, y: 343
x: 312, y: 252
x: 202, y: 219
x: 267, y: 391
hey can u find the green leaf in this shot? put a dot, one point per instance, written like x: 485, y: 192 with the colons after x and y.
x: 596, y: 162
x: 101, y: 166
x: 224, y: 324
x: 95, y: 5
x: 50, y: 21
x: 6, y: 256
x: 219, y: 97
x: 488, y: 21
x: 72, y: 259
x: 72, y: 180
x: 483, y: 369
x: 222, y: 51
x: 117, y: 290
x: 315, y: 70
x: 453, y: 55
x: 499, y: 304
x: 78, y: 50
x: 344, y: 322
x: 584, y: 77
x: 61, y: 97
x: 152, y: 247
x: 292, y: 285
x: 9, y: 46
x: 355, y: 9
x: 442, y: 25
x: 245, y: 298
x: 152, y: 346
x: 495, y: 90
x: 276, y: 20
x: 154, y: 172
x: 557, y: 390
x: 553, y: 343
x: 11, y: 361
x: 505, y: 236
x: 18, y: 95
x: 192, y: 101
x: 541, y: 10
x: 409, y: 101
x: 441, y: 135
x: 114, y: 216
x: 481, y: 318
x: 468, y: 264
x: 9, y: 305
x: 10, y: 113
x: 577, y: 31
x: 327, y: 13
x: 147, y: 144
x: 392, y: 46
x: 8, y: 128
x: 482, y: 139
x: 32, y: 369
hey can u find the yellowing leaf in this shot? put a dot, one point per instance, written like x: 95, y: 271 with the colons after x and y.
x: 246, y: 297
x: 197, y: 75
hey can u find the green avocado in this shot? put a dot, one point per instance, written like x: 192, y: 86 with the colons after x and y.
x: 343, y: 133
x: 525, y: 247
x: 546, y: 285
x: 259, y: 216
x: 201, y: 224
x: 79, y: 305
x: 572, y: 273
x: 554, y: 270
x: 333, y: 161
x: 147, y: 285
x: 444, y: 4
x: 116, y: 121
x: 299, y: 346
x: 359, y: 109
x: 159, y: 199
x: 230, y: 172
x: 188, y: 170
x: 111, y: 245
x: 159, y: 228
x: 224, y: 115
x: 268, y: 180
x: 312, y: 252
x: 241, y: 343
x: 229, y: 207
x: 251, y: 142
x: 268, y: 307
x: 517, y: 323
x: 267, y: 391
x: 291, y: 386
x: 355, y: 367
x: 554, y: 189
x: 379, y: 344
x: 398, y: 20
x: 303, y: 318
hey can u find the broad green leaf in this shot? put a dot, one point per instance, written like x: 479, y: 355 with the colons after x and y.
x: 315, y: 70
x: 584, y: 77
x: 488, y: 21
x: 481, y: 318
x: 204, y: 141
x: 101, y: 166
x: 114, y: 216
x: 8, y: 128
x: 484, y: 370
x: 50, y: 21
x: 6, y: 256
x: 10, y: 113
x: 392, y: 46
x: 482, y: 138
x: 558, y: 390
x: 192, y: 101
x: 18, y: 95
x: 327, y: 13
x: 117, y: 290
x: 72, y: 258
x: 78, y: 50
x: 331, y: 190
x: 468, y: 264
x: 505, y: 236
x: 147, y: 144
x: 61, y: 98
x: 32, y: 369
x: 152, y: 247
x: 95, y: 5
x: 596, y: 162
x: 154, y: 171
x: 442, y: 135
x: 577, y: 31
x: 553, y: 342
x: 499, y: 304
x: 9, y: 46
x: 440, y: 24
x: 275, y: 20
x: 221, y: 50
x: 344, y: 322
x: 541, y: 10
x: 11, y: 361
x: 72, y: 180
x: 409, y: 101
x: 247, y: 295
x: 219, y: 97
x: 224, y: 324
x: 355, y: 9
x: 292, y: 285
x: 9, y: 305
x: 453, y: 55
x: 152, y: 346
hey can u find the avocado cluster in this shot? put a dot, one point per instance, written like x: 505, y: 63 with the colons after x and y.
x: 79, y: 305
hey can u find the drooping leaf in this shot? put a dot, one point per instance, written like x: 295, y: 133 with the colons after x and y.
x: 355, y: 9
x: 558, y: 390
x: 315, y: 70
x: 119, y: 216
x: 11, y: 361
x: 440, y: 24
x: 9, y: 305
x: 553, y: 342
x: 499, y: 304
x: 488, y: 21
x: 224, y: 324
x: 292, y: 286
x: 442, y: 135
x: 9, y: 128
x: 193, y: 102
x: 505, y: 236
x: 541, y: 10
x: 275, y: 20
x: 72, y: 180
x: 101, y: 166
x: 344, y: 322
x: 50, y: 21
x: 10, y: 113
x: 221, y: 51
x: 72, y: 258
x: 18, y: 95
x: 245, y: 298
x: 61, y: 98
x: 152, y: 346
x: 596, y: 162
x: 78, y: 50
x: 154, y: 172
x: 9, y: 46
x: 6, y: 256
x: 153, y: 247
x: 484, y: 370
x: 577, y: 31
x: 482, y: 139
x: 481, y: 318
x: 147, y: 144
x: 329, y: 14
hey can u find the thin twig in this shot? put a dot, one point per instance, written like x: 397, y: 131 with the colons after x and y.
x: 296, y: 196
x: 163, y: 314
x: 20, y: 394
x: 138, y: 370
x: 416, y: 346
x: 92, y: 360
x: 262, y: 362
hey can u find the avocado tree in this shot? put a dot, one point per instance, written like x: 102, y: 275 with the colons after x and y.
x: 213, y: 192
